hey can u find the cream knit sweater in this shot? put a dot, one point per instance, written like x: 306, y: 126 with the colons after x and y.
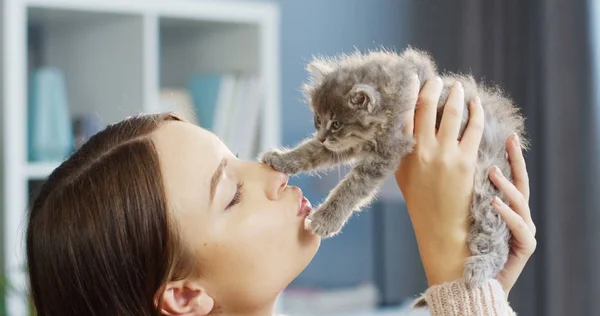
x: 455, y: 299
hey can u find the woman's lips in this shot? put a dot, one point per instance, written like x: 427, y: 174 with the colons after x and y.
x: 304, y: 206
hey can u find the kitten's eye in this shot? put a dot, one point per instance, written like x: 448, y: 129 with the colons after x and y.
x: 336, y: 125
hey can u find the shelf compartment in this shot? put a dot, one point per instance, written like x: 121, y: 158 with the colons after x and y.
x: 218, y: 65
x: 189, y: 47
x: 101, y: 55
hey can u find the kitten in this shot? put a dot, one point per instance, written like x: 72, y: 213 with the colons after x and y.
x: 358, y: 101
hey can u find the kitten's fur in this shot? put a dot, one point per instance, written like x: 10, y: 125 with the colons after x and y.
x: 368, y: 93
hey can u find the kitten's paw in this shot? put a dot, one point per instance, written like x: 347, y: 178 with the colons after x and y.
x: 277, y: 161
x: 327, y: 221
x: 479, y: 269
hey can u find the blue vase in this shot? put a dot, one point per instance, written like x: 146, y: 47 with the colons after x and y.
x: 50, y: 130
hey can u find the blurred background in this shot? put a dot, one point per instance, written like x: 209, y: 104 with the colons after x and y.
x: 69, y: 67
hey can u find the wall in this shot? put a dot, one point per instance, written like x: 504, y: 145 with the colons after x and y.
x: 432, y: 26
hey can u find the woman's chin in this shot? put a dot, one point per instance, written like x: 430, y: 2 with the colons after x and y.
x: 307, y: 224
x: 308, y: 238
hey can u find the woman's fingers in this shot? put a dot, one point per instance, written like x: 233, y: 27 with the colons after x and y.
x: 426, y: 110
x: 520, y: 230
x: 517, y: 201
x: 474, y: 130
x: 409, y: 116
x: 452, y: 116
x: 517, y: 164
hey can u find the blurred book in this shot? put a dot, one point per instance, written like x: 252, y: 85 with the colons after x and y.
x: 245, y: 117
x: 50, y: 130
x: 205, y: 91
x: 179, y: 101
x: 84, y: 127
x: 229, y: 105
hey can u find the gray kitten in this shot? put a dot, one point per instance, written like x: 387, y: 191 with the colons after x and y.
x: 358, y: 101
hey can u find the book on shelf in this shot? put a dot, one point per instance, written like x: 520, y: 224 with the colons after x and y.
x: 229, y: 105
x: 178, y: 100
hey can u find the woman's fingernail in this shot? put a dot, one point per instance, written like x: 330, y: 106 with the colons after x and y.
x: 457, y: 85
x: 497, y: 171
x: 477, y: 100
x: 496, y: 201
x: 516, y: 140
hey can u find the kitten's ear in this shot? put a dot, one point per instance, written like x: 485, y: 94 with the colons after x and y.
x: 318, y: 68
x: 363, y: 97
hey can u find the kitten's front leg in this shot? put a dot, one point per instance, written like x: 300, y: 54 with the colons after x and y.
x: 354, y: 191
x: 310, y: 155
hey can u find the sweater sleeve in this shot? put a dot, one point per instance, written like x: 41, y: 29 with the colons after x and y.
x: 456, y: 299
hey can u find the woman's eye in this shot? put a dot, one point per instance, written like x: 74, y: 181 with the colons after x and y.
x: 237, y: 197
x: 336, y: 125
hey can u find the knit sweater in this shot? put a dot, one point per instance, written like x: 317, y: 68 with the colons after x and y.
x: 455, y: 299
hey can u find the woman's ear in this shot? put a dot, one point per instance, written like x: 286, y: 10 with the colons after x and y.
x: 185, y: 298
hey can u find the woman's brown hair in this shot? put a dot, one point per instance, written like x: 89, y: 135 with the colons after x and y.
x: 99, y: 239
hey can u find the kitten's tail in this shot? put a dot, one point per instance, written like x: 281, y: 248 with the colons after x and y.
x: 489, y: 236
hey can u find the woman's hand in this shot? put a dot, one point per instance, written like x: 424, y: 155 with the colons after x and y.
x: 436, y: 180
x: 517, y: 216
x: 437, y: 183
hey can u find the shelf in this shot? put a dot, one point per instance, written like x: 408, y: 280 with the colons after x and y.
x: 40, y: 171
x: 2, y: 128
x: 199, y: 10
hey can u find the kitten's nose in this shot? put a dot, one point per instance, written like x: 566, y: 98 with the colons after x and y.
x: 321, y: 139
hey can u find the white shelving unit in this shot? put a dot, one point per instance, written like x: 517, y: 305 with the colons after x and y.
x: 2, y: 247
x: 116, y: 56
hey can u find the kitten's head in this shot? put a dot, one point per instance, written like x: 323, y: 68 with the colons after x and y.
x: 345, y: 101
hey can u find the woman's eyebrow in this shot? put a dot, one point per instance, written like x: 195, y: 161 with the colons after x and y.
x: 214, y: 181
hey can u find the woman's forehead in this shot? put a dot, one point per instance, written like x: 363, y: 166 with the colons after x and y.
x: 188, y: 156
x: 180, y: 138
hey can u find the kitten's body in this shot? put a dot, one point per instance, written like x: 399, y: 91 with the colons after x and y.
x: 369, y: 93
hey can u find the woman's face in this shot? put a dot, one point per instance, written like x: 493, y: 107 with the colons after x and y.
x: 240, y: 219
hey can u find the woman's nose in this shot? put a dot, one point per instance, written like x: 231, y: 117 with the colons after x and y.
x: 277, y: 183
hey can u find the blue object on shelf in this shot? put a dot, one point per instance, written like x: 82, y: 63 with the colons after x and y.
x: 204, y: 89
x: 84, y: 128
x: 50, y: 129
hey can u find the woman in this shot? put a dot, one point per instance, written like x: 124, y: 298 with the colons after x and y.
x: 155, y: 216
